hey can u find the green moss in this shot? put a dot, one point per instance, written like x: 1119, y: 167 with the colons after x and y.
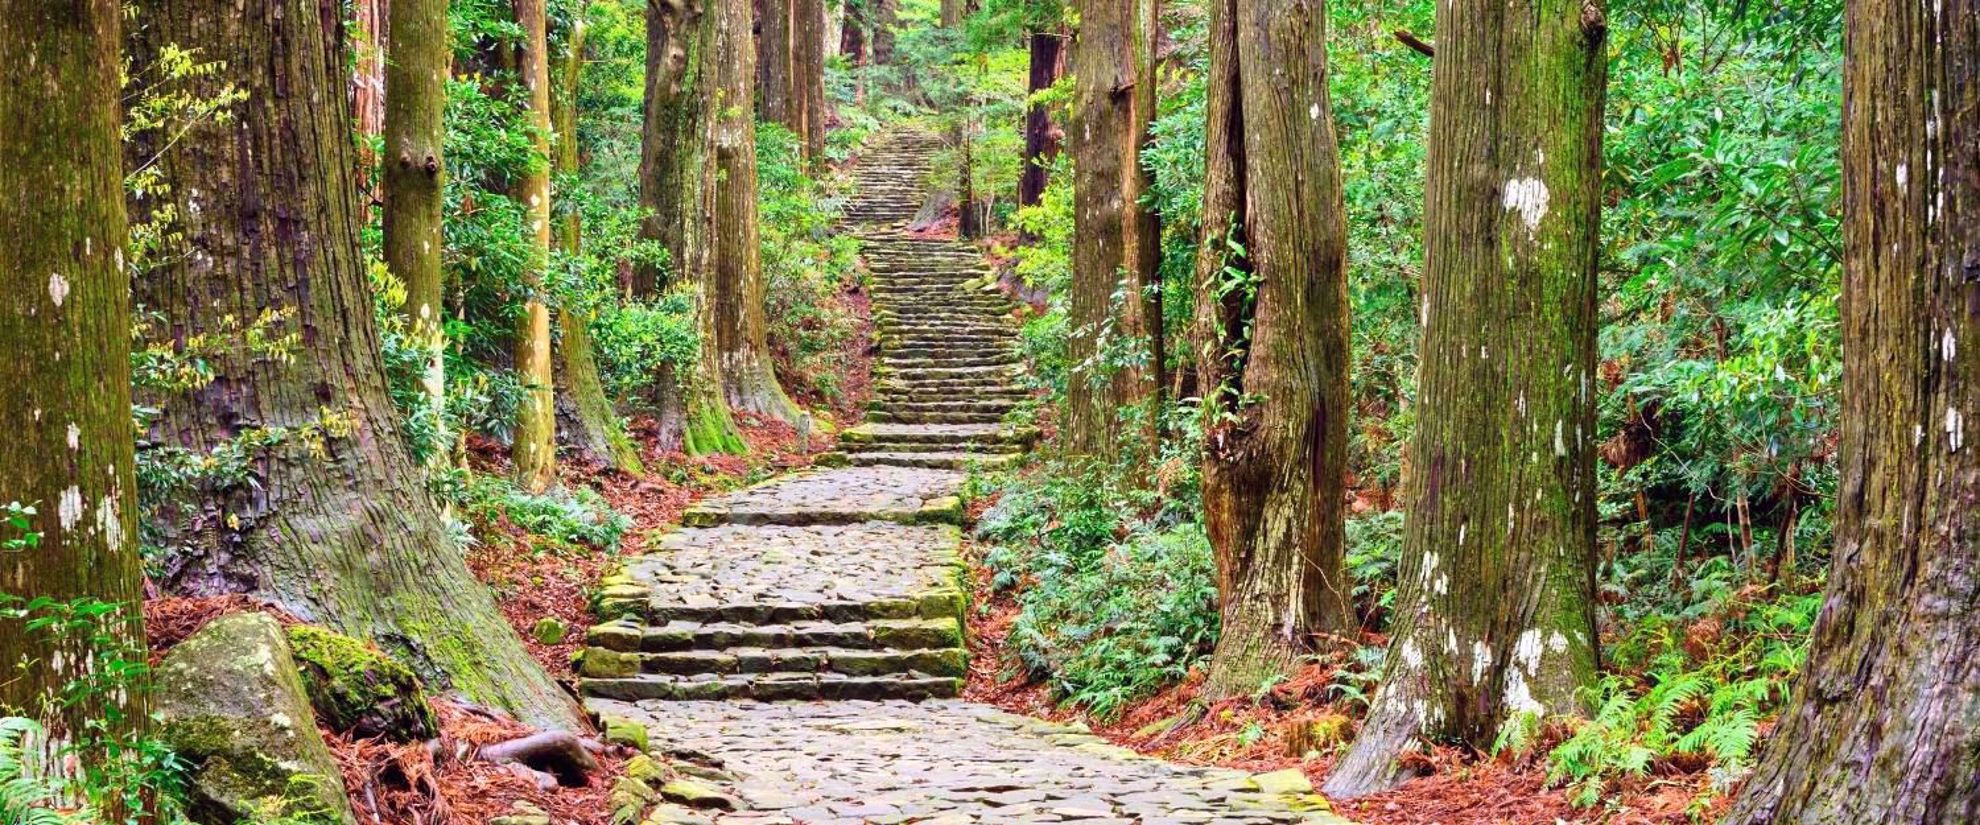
x: 711, y: 430
x: 356, y: 689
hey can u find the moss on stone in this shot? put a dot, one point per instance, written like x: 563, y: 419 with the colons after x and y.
x: 355, y: 689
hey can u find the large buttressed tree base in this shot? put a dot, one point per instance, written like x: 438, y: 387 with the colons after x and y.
x: 332, y: 522
x: 677, y: 186
x: 1494, y: 614
x: 1885, y: 721
x: 1116, y: 237
x: 65, y: 317
x: 1272, y: 338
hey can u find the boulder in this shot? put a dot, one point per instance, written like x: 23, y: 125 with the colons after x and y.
x: 359, y: 691
x: 231, y: 705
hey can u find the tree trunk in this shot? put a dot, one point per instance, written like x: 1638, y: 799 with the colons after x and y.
x: 885, y: 14
x: 585, y: 417
x: 66, y: 324
x: 1494, y: 616
x: 779, y: 99
x: 675, y: 185
x: 1885, y: 719
x: 534, y: 448
x: 808, y: 77
x: 1115, y: 248
x: 1041, y: 136
x: 852, y: 34
x: 952, y: 13
x: 735, y: 266
x: 368, y: 25
x: 332, y: 521
x: 1275, y: 387
x: 414, y: 173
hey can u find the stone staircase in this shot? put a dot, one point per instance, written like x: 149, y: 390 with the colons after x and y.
x: 826, y: 584
x: 948, y: 367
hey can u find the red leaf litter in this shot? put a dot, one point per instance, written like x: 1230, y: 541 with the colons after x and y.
x: 1460, y: 788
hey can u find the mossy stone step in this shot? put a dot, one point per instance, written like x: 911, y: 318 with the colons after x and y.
x: 947, y: 461
x: 844, y: 661
x: 774, y: 687
x: 683, y: 635
x: 875, y: 433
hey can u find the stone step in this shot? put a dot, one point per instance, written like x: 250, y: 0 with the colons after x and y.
x: 993, y: 405
x: 913, y: 361
x: 890, y: 417
x: 955, y: 446
x: 844, y: 661
x: 680, y: 635
x: 951, y: 387
x: 774, y: 687
x: 938, y: 352
x: 946, y: 461
x: 896, y: 433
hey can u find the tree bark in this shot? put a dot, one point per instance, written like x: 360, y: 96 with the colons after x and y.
x: 1272, y: 325
x: 778, y: 97
x: 1041, y: 136
x: 414, y: 174
x: 368, y: 25
x: 852, y: 35
x: 886, y: 14
x: 1494, y: 616
x: 676, y: 185
x: 533, y: 452
x: 1885, y: 719
x: 1116, y: 248
x: 66, y: 324
x: 808, y: 77
x: 585, y: 417
x: 332, y: 521
x: 734, y: 271
x: 952, y: 13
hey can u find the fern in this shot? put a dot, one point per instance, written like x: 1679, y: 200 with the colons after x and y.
x: 24, y: 791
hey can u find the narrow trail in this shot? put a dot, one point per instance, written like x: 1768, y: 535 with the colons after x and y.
x: 802, y: 640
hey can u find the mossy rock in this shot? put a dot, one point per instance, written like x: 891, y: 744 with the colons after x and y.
x: 357, y: 690
x: 231, y: 706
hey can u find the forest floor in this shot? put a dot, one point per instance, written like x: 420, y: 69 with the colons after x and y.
x: 1297, y: 718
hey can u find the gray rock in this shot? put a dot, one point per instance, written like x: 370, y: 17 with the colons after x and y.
x: 233, y: 707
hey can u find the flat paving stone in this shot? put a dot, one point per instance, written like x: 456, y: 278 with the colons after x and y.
x: 845, y: 495
x: 945, y: 761
x: 771, y: 564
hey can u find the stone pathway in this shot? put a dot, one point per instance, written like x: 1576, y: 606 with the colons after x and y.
x: 795, y: 649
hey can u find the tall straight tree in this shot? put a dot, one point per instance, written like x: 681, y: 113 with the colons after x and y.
x: 534, y: 450
x: 1885, y: 720
x: 1272, y: 341
x: 777, y: 98
x: 66, y: 321
x: 585, y: 417
x: 1115, y: 289
x: 674, y: 188
x: 413, y: 175
x: 808, y: 76
x: 1494, y: 616
x: 330, y: 518
x: 727, y: 218
x: 1047, y: 62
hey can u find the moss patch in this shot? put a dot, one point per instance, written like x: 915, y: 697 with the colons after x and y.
x: 358, y: 690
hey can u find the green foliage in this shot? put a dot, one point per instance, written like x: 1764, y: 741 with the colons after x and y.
x: 1706, y: 685
x: 807, y: 267
x: 562, y: 516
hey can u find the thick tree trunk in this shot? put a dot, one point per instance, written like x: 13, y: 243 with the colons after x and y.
x: 66, y: 323
x: 676, y: 185
x: 778, y: 97
x: 1041, y: 136
x: 414, y: 173
x: 1494, y: 615
x: 585, y: 417
x: 952, y: 13
x: 852, y: 34
x: 734, y: 274
x: 1272, y: 322
x: 885, y: 14
x: 1885, y: 720
x: 534, y: 449
x: 808, y: 77
x: 332, y: 521
x: 1116, y: 248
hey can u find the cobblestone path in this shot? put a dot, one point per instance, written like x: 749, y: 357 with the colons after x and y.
x: 794, y: 651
